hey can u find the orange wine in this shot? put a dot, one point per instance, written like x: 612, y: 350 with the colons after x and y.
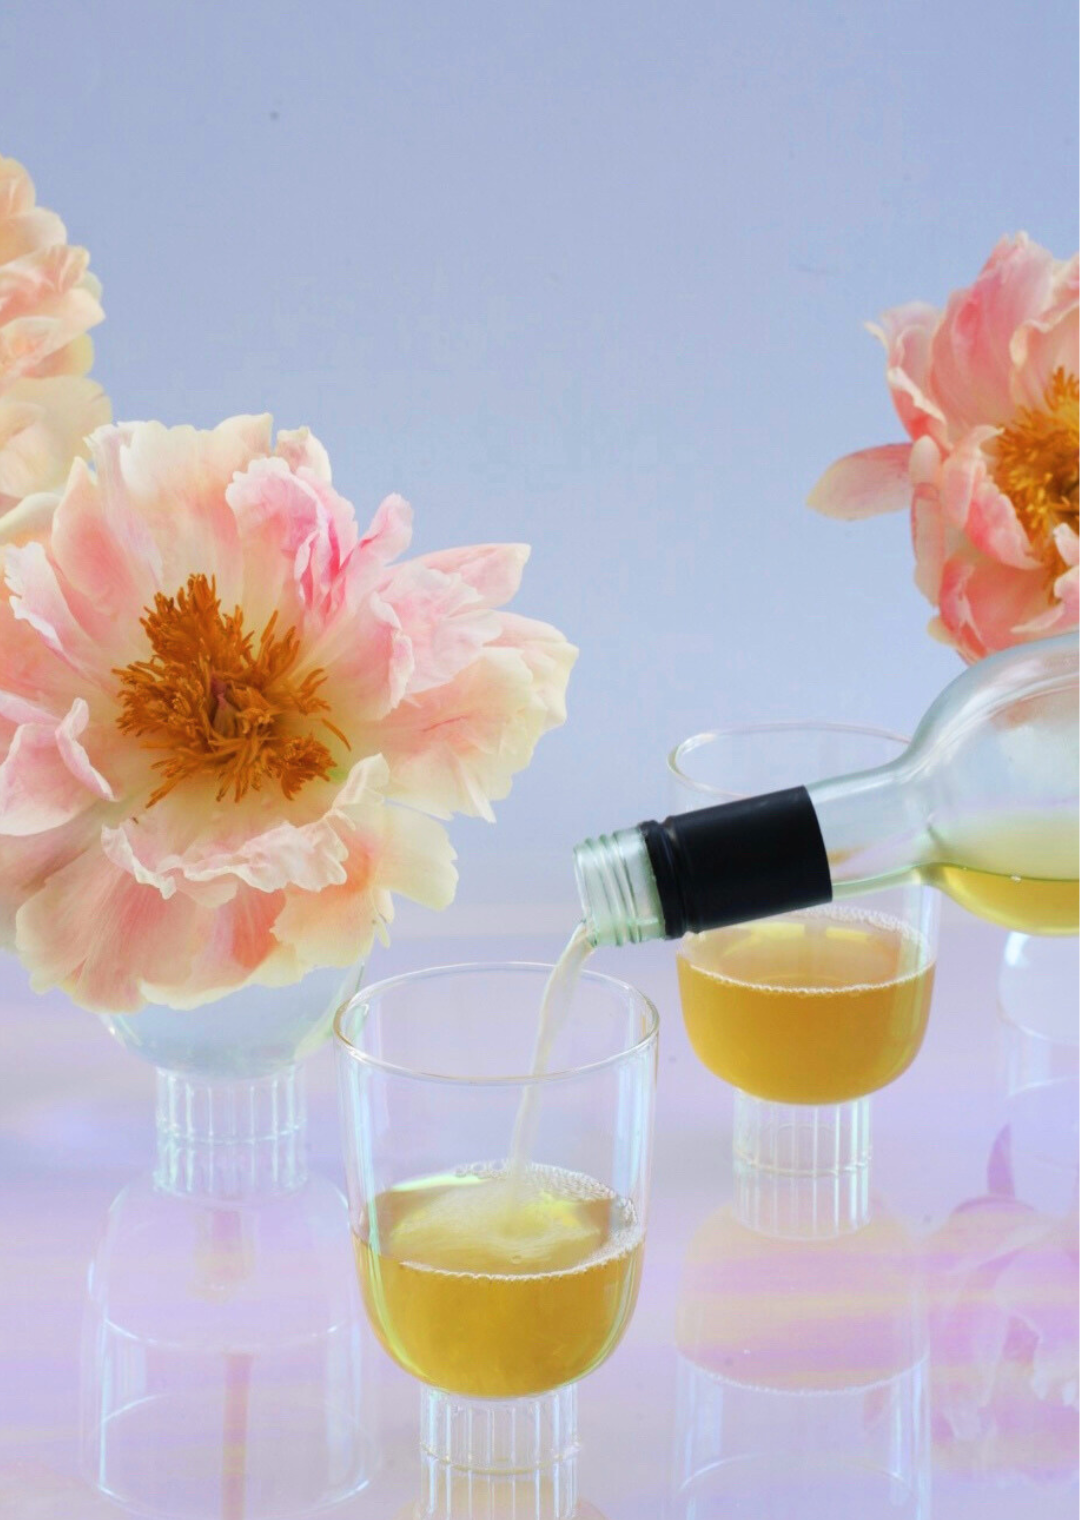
x: 1036, y: 892
x: 815, y: 1007
x: 498, y: 1284
x: 1035, y: 905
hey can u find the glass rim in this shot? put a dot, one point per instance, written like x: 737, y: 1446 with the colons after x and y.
x: 783, y: 726
x: 348, y: 1048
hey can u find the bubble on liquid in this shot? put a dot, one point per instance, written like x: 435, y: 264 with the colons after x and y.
x: 916, y: 957
x: 539, y: 1217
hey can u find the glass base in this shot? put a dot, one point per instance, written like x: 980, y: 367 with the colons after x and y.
x: 499, y: 1435
x: 498, y: 1459
x: 802, y: 1170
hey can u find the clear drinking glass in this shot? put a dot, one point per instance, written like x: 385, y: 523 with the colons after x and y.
x: 497, y: 1280
x: 807, y: 1013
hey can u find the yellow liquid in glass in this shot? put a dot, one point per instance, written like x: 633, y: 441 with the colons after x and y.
x: 815, y: 1007
x: 1032, y: 904
x: 496, y: 1286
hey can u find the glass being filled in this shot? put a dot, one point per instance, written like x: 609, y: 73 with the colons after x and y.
x: 824, y: 1004
x: 814, y: 1007
x: 497, y: 1186
x: 498, y: 1283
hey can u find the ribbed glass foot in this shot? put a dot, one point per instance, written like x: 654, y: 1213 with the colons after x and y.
x: 802, y: 1170
x: 230, y: 1140
x: 501, y: 1436
x: 455, y: 1493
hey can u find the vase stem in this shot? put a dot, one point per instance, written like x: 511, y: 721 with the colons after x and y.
x: 231, y: 1139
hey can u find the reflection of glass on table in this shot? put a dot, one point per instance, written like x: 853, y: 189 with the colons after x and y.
x: 802, y: 1383
x: 816, y: 1008
x: 497, y: 1285
x: 222, y: 1371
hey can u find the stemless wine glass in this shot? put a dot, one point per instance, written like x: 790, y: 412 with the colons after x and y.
x: 497, y: 1278
x: 807, y: 1013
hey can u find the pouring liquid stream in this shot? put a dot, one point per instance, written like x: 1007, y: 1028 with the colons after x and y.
x: 555, y: 1007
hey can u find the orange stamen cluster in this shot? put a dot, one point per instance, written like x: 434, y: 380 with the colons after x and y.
x: 1036, y: 464
x: 216, y: 706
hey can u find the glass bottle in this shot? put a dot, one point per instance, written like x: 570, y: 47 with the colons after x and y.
x: 983, y: 803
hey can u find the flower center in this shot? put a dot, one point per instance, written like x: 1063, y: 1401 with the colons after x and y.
x: 1036, y: 465
x: 216, y: 706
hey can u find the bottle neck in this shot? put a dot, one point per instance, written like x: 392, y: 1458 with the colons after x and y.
x: 755, y: 857
x: 231, y: 1140
x: 704, y: 869
x: 617, y: 885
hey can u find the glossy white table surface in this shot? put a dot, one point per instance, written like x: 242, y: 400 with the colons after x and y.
x: 973, y: 1180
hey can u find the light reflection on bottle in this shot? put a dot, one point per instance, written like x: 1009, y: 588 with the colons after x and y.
x: 802, y: 1372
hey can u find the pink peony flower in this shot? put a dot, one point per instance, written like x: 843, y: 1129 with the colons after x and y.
x: 48, y: 300
x: 211, y: 687
x: 988, y: 392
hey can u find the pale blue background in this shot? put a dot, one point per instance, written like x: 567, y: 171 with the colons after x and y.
x: 589, y: 274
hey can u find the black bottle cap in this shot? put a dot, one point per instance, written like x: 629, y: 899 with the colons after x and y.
x: 739, y: 861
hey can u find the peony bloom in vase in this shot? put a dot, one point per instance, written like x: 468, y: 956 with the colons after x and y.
x: 231, y: 721
x: 987, y: 391
x: 48, y: 404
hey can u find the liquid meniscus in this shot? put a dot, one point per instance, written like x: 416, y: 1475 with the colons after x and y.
x: 1031, y: 904
x: 815, y: 1007
x: 496, y: 1283
x: 1020, y: 872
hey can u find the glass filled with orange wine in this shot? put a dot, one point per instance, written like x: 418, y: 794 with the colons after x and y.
x: 813, y: 1008
x: 497, y: 1189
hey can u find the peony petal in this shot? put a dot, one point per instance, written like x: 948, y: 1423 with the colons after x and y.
x: 301, y: 450
x: 492, y: 570
x: 931, y: 541
x: 444, y: 620
x: 170, y: 485
x: 907, y: 333
x: 43, y: 427
x: 74, y: 756
x: 38, y: 599
x: 1048, y: 341
x: 993, y: 527
x: 238, y: 944
x: 37, y: 789
x: 389, y: 850
x: 455, y: 748
x: 390, y: 533
x: 971, y: 364
x: 986, y: 606
x: 865, y: 484
x: 101, y: 936
x: 1068, y: 544
x: 111, y: 560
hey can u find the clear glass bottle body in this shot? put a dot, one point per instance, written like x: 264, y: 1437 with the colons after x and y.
x: 983, y: 804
